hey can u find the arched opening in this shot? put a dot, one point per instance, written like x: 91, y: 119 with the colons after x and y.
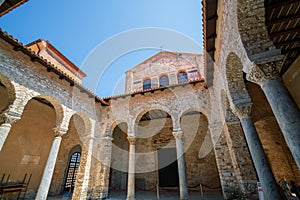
x: 163, y: 81
x: 72, y: 170
x: 282, y: 163
x: 182, y: 77
x: 119, y: 159
x: 156, y: 161
x: 4, y: 98
x: 71, y: 143
x: 234, y: 75
x: 147, y: 84
x: 7, y: 93
x: 201, y: 167
x: 28, y: 144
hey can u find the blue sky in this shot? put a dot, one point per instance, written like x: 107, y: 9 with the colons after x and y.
x: 80, y: 28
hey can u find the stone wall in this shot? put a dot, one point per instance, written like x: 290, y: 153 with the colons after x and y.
x: 166, y: 63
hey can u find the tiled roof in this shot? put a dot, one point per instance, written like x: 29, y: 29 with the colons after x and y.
x: 18, y: 46
x: 9, y: 5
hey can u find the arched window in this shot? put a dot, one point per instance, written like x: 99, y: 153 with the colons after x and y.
x: 182, y: 77
x: 163, y: 81
x: 147, y: 84
x: 72, y: 171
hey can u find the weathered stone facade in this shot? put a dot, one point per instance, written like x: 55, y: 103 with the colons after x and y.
x: 241, y: 128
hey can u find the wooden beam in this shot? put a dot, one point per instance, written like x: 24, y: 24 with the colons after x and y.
x: 282, y: 19
x: 281, y: 3
x: 214, y: 17
x: 287, y: 42
x: 285, y: 32
x: 213, y: 36
x: 290, y: 50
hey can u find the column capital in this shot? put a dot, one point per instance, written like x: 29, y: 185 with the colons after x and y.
x: 262, y: 73
x: 58, y: 131
x: 107, y: 138
x: 243, y: 110
x: 131, y: 139
x: 177, y: 133
x: 9, y: 118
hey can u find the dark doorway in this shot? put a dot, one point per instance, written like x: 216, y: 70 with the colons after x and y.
x: 168, y: 168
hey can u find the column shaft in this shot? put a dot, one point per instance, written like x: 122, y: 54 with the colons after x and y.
x: 260, y: 161
x: 286, y: 113
x: 131, y: 170
x: 181, y: 166
x: 48, y: 171
x: 4, y: 130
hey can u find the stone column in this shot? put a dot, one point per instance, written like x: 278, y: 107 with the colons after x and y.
x: 177, y: 133
x: 49, y: 168
x: 259, y: 158
x: 283, y: 107
x: 7, y: 120
x: 131, y: 169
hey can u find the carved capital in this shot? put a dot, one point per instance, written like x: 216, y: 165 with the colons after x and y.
x: 59, y: 131
x: 243, y: 110
x: 261, y: 73
x: 106, y: 138
x: 256, y: 75
x: 9, y: 118
x: 131, y: 139
x: 177, y: 134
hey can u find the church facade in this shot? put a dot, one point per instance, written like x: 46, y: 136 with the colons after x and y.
x: 222, y: 121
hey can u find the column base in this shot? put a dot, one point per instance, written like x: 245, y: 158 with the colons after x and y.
x: 129, y: 198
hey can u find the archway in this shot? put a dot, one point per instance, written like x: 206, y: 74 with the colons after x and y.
x: 282, y: 163
x: 7, y: 93
x: 119, y: 158
x: 28, y: 144
x: 156, y: 161
x: 201, y: 167
x: 72, y: 141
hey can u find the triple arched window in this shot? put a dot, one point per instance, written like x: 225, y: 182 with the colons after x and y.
x: 163, y: 81
x: 182, y: 77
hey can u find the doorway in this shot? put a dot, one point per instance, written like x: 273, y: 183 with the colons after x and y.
x: 168, y: 168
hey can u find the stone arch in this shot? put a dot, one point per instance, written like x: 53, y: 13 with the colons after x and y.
x: 114, y: 124
x: 191, y: 109
x: 235, y: 81
x: 229, y: 116
x: 252, y: 29
x: 201, y: 165
x: 59, y: 111
x: 139, y: 114
x: 86, y: 122
x: 8, y: 90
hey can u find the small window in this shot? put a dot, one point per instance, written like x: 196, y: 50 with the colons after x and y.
x: 163, y: 81
x: 182, y: 77
x: 147, y: 84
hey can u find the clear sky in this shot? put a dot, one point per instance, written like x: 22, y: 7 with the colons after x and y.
x: 129, y: 30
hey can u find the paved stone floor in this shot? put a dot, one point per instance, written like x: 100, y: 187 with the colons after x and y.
x: 151, y: 195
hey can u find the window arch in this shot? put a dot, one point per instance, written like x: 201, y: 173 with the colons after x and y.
x: 182, y: 77
x: 147, y: 84
x: 163, y: 81
x: 72, y: 171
